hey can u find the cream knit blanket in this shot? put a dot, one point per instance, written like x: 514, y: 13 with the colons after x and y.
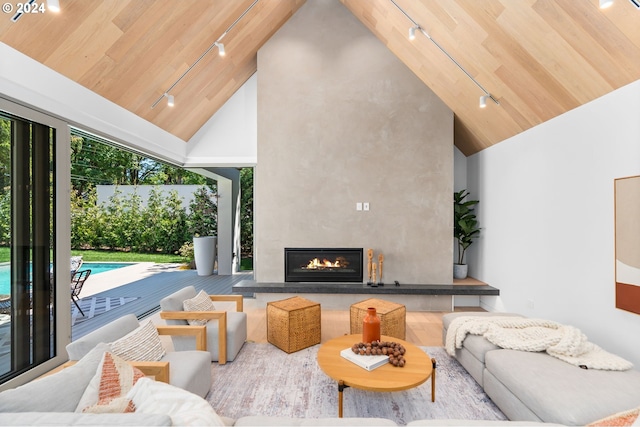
x: 566, y: 343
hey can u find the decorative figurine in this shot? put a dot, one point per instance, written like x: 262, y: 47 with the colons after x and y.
x: 380, y: 261
x: 373, y: 273
x: 370, y: 260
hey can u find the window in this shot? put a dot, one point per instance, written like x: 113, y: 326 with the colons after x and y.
x: 28, y: 303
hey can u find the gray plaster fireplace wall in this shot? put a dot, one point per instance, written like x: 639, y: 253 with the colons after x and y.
x: 341, y: 120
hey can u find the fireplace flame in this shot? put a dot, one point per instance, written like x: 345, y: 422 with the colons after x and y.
x: 315, y: 264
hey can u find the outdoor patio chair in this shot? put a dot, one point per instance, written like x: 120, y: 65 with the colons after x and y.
x: 77, y: 281
x: 74, y: 264
x: 226, y: 326
x: 5, y: 304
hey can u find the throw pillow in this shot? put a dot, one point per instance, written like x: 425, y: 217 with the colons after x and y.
x: 142, y: 344
x: 200, y: 302
x: 626, y: 418
x: 106, y: 393
x: 63, y: 389
x: 184, y: 408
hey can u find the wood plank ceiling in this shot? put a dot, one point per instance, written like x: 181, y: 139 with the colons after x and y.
x: 539, y: 58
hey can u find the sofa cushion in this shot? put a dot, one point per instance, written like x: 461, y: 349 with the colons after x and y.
x: 201, y: 302
x: 184, y: 408
x: 105, y: 334
x: 75, y: 419
x: 190, y: 370
x: 63, y: 389
x: 142, y: 344
x: 107, y: 389
x: 174, y: 302
x: 559, y: 392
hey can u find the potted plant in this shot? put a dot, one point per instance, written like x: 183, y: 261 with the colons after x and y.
x: 465, y: 229
x: 203, y: 225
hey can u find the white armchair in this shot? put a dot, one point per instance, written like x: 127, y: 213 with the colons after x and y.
x: 226, y: 326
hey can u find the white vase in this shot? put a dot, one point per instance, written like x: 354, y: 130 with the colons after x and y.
x: 460, y: 271
x: 204, y: 252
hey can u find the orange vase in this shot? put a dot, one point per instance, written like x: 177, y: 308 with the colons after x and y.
x: 370, y: 326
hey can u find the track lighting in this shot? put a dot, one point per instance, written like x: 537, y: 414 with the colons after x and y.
x: 412, y: 33
x: 221, y: 52
x: 220, y: 49
x: 605, y: 3
x: 53, y: 5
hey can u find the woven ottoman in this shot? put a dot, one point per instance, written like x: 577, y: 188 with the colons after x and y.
x: 392, y: 317
x: 293, y: 323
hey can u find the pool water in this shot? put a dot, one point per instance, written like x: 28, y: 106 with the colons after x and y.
x: 95, y: 267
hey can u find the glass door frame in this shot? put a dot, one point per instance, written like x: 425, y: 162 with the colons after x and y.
x: 62, y: 231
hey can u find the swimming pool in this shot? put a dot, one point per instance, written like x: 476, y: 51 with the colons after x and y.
x: 95, y: 267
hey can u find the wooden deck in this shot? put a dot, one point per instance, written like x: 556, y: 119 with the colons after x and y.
x: 151, y: 290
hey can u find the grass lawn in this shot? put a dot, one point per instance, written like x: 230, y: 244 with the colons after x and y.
x: 109, y: 256
x: 246, y: 264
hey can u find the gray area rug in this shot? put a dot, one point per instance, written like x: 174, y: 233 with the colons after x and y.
x: 264, y: 380
x: 94, y: 306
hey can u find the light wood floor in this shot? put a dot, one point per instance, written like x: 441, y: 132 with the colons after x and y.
x: 423, y: 328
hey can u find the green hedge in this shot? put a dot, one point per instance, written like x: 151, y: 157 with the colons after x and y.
x: 124, y: 223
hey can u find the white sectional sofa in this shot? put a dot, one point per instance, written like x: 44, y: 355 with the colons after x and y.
x: 534, y: 386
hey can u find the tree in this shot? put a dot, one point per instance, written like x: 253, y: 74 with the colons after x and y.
x: 246, y: 211
x: 203, y: 213
x: 5, y: 155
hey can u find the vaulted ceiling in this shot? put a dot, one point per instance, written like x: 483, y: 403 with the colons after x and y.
x: 538, y: 58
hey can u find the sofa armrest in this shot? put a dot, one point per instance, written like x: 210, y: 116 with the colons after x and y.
x: 221, y: 316
x: 200, y: 332
x: 158, y: 370
x: 238, y: 299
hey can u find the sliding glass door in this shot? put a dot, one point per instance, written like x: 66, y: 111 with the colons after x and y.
x: 27, y: 249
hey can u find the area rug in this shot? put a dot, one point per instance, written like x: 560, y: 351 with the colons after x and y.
x: 94, y: 306
x: 264, y: 380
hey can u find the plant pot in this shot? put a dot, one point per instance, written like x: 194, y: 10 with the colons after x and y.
x: 204, y: 253
x: 460, y: 271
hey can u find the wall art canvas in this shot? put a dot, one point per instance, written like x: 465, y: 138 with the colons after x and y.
x: 627, y: 243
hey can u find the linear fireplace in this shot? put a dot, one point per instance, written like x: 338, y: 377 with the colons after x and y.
x: 323, y: 265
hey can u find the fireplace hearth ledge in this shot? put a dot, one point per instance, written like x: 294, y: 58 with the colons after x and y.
x: 340, y: 296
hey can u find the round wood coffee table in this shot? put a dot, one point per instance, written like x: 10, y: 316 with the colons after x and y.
x: 419, y: 367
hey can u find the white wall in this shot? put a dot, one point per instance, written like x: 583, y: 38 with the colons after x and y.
x: 229, y: 138
x: 547, y: 216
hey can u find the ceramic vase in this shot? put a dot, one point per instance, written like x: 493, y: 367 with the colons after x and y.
x: 204, y: 252
x: 371, y: 326
x: 460, y: 271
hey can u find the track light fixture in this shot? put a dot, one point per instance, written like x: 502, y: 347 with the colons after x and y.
x: 605, y: 3
x: 221, y: 52
x: 412, y: 33
x: 220, y: 49
x: 53, y: 5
